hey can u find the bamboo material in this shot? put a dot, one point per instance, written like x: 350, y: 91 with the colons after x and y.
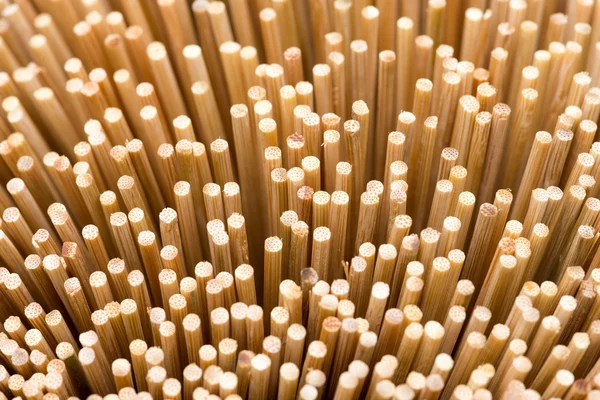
x: 345, y: 257
x: 482, y: 232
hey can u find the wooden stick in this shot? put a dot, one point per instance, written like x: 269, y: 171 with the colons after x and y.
x: 404, y: 45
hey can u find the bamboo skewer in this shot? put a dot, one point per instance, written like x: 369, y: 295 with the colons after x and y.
x: 344, y: 254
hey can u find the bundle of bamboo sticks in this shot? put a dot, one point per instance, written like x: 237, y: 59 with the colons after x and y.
x: 292, y: 199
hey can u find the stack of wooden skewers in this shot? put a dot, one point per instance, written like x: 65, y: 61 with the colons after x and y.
x: 324, y: 199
